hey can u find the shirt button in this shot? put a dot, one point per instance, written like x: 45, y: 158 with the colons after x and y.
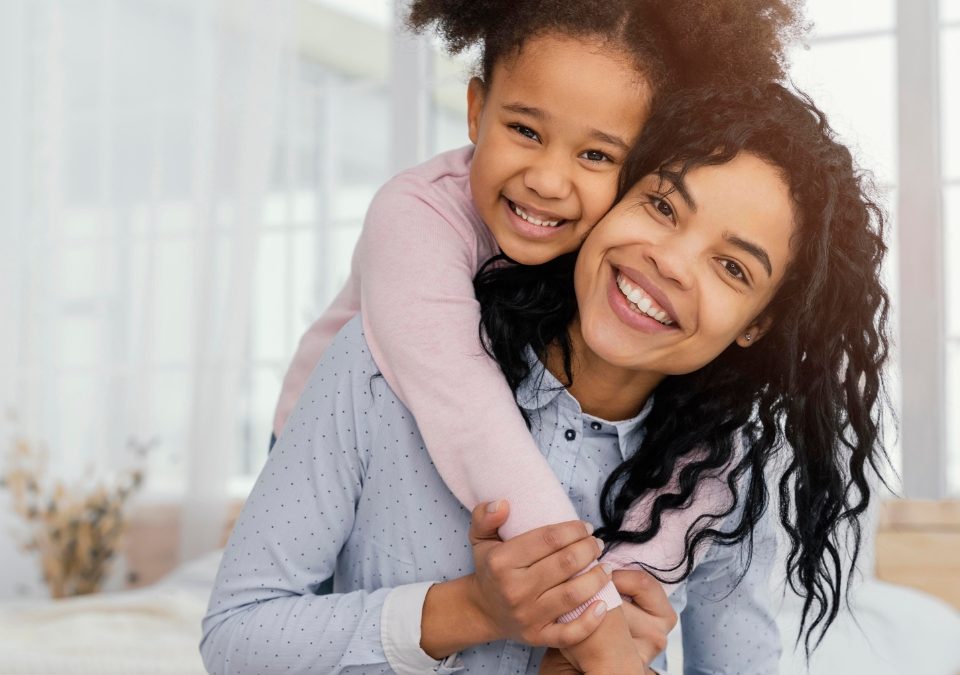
x: 570, y: 434
x: 595, y: 426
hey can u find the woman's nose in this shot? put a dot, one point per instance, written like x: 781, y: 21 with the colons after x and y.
x: 673, y: 261
x: 549, y: 177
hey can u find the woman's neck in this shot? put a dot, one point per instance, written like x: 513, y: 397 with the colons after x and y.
x: 603, y: 390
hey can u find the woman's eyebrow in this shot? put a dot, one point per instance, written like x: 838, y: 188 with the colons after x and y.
x: 676, y: 180
x: 752, y: 249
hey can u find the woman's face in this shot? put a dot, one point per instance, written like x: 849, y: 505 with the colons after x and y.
x: 675, y: 273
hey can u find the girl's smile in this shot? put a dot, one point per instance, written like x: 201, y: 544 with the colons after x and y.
x: 551, y: 130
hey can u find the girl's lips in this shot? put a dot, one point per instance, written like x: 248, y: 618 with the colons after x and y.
x: 626, y: 312
x: 529, y: 230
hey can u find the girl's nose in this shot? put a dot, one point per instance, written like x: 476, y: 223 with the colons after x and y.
x: 549, y: 178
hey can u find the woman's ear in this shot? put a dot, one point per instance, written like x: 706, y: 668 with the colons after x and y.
x: 754, y: 332
x: 476, y: 92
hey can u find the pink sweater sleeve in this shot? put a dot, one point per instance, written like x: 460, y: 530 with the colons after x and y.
x: 421, y: 320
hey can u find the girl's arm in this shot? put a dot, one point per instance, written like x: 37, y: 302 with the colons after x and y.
x: 417, y: 257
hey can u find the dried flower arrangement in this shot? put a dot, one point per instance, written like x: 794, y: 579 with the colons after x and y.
x: 75, y: 530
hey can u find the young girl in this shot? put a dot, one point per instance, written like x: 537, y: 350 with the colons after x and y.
x: 745, y: 221
x: 564, y: 90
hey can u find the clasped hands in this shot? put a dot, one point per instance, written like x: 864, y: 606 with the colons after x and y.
x: 520, y: 587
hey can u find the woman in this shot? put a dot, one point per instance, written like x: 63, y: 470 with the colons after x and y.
x: 737, y: 280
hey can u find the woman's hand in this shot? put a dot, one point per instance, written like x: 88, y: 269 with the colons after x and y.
x: 554, y: 663
x: 524, y: 585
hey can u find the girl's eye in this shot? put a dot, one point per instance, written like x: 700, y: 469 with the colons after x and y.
x: 662, y: 206
x: 596, y: 156
x: 525, y: 131
x: 734, y: 270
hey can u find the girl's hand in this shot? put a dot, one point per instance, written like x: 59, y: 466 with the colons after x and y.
x: 650, y: 616
x: 524, y: 585
x: 609, y: 650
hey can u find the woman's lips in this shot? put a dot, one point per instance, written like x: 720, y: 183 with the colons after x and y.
x: 637, y: 278
x: 627, y: 312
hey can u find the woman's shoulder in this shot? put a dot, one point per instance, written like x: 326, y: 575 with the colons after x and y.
x: 346, y: 363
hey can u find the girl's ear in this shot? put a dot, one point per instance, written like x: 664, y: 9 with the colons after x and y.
x: 754, y: 332
x: 476, y: 92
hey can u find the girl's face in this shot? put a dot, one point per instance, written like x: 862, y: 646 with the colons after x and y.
x: 676, y: 273
x: 551, y: 131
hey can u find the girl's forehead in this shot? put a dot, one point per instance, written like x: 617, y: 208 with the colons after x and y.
x: 553, y: 47
x: 576, y: 81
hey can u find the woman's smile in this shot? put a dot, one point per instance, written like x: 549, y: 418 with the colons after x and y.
x: 687, y: 261
x: 637, y: 309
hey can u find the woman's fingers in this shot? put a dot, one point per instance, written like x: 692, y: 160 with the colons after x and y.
x: 554, y: 663
x: 532, y: 547
x: 574, y: 592
x: 487, y: 519
x: 565, y: 635
x: 561, y: 565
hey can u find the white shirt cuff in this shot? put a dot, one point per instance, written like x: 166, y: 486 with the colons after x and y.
x: 400, y: 620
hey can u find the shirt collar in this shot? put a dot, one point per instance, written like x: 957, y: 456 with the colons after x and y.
x: 540, y: 388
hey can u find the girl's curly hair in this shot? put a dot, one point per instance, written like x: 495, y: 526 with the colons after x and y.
x: 808, y: 396
x: 675, y: 44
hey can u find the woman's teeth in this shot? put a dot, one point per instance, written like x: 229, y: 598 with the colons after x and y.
x: 643, y: 302
x: 530, y: 219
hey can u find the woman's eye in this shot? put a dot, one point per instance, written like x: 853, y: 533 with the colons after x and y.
x: 596, y: 156
x: 734, y: 269
x: 525, y: 131
x: 662, y: 205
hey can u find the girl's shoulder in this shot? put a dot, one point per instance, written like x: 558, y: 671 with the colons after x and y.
x: 441, y: 180
x: 434, y: 198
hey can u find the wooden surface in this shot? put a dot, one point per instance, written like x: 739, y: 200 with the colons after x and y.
x: 918, y: 545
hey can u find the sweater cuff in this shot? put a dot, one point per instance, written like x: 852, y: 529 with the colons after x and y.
x: 607, y: 594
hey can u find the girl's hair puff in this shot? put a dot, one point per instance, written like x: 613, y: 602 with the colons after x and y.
x: 806, y: 400
x: 675, y: 44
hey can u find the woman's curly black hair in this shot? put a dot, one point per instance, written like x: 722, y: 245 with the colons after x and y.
x: 679, y: 43
x: 806, y: 400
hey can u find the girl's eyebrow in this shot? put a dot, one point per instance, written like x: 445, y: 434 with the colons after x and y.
x: 751, y: 249
x: 542, y: 115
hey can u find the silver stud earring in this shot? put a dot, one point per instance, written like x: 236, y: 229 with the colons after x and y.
x: 748, y: 336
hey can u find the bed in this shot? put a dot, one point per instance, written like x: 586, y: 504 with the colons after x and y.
x: 155, y: 631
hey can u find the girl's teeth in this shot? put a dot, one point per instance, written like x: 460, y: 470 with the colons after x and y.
x: 642, y: 302
x: 534, y: 221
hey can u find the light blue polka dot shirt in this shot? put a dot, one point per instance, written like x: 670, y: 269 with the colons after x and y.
x: 349, y: 490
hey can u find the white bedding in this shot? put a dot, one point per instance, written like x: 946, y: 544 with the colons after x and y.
x: 156, y: 630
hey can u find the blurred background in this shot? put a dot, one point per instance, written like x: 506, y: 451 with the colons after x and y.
x: 182, y: 183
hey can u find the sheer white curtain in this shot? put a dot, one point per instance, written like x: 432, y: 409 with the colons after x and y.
x: 136, y: 146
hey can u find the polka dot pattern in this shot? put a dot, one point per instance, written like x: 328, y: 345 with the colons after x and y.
x: 349, y: 491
